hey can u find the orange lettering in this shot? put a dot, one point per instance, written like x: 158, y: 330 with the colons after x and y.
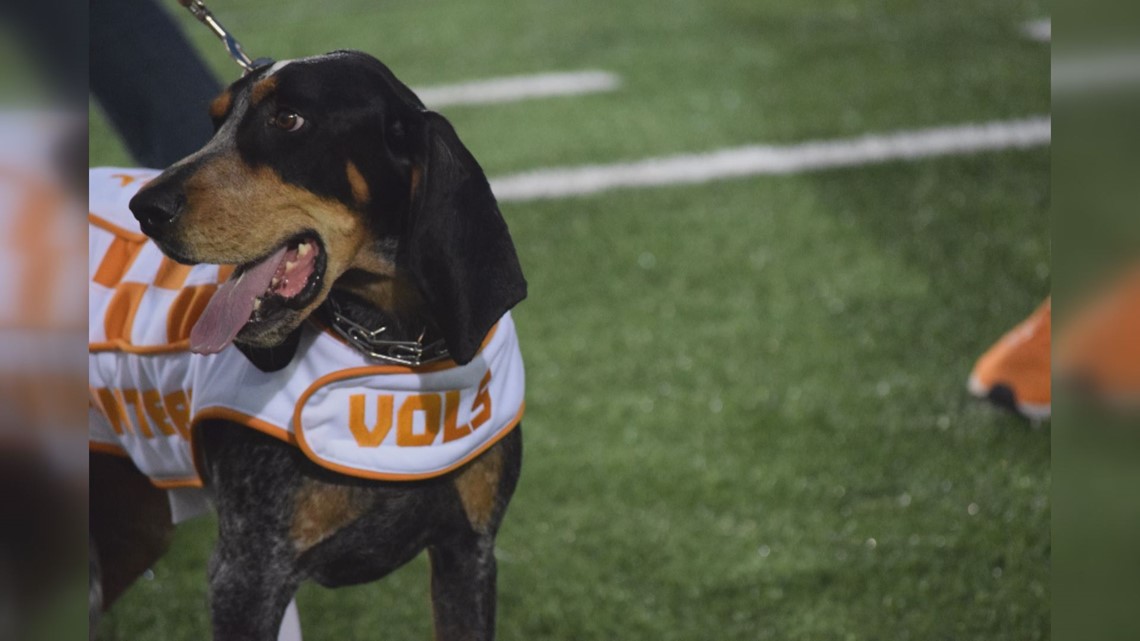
x: 152, y: 402
x: 170, y: 413
x: 365, y: 436
x: 452, y: 432
x: 111, y: 408
x: 405, y: 434
x: 178, y: 409
x: 132, y: 397
x: 481, y: 408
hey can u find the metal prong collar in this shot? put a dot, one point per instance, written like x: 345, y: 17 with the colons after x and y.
x: 371, y: 342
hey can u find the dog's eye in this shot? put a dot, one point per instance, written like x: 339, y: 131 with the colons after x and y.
x: 287, y: 121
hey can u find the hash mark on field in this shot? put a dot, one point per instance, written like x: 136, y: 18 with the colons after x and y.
x: 757, y: 160
x: 516, y: 88
x: 1085, y: 72
x: 1039, y: 30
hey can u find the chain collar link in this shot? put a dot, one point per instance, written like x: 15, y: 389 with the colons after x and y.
x: 371, y: 342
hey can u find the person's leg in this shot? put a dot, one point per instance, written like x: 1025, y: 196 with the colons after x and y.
x: 153, y: 86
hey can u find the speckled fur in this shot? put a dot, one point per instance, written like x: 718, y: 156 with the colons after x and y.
x: 256, y: 567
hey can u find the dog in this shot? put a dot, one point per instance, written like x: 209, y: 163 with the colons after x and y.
x: 355, y: 391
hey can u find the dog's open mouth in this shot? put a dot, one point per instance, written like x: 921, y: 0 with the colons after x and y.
x: 260, y: 292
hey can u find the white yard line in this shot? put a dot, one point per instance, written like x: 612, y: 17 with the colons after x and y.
x: 757, y: 160
x: 1039, y: 30
x: 515, y: 88
x: 1088, y: 72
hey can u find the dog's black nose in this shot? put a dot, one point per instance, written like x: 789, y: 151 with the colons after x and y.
x: 156, y: 207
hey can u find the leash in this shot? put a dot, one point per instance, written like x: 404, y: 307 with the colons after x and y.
x: 198, y: 9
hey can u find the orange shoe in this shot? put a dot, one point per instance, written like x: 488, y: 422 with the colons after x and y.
x: 1014, y: 373
x: 1099, y: 349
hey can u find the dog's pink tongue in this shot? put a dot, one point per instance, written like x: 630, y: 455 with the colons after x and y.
x: 230, y: 308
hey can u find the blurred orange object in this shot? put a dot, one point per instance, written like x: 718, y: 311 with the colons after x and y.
x: 1015, y: 372
x: 1099, y: 349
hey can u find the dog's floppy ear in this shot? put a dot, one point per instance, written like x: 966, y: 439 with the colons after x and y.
x: 456, y: 245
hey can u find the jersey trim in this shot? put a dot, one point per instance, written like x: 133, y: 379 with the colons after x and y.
x: 107, y: 448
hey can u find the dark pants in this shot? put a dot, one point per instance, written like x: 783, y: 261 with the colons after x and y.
x: 151, y: 83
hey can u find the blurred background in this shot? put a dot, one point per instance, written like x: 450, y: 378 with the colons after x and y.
x: 750, y: 326
x: 43, y: 373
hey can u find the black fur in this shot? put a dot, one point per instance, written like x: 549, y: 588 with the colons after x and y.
x: 456, y: 244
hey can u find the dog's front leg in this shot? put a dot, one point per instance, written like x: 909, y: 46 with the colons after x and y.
x: 249, y: 592
x: 253, y: 571
x: 463, y: 590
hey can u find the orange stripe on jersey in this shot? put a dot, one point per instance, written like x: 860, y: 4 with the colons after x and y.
x: 124, y: 346
x: 224, y: 272
x: 37, y: 295
x: 120, y: 316
x: 169, y: 484
x: 185, y: 310
x: 32, y: 229
x: 107, y: 448
x: 117, y: 261
x: 121, y: 232
x: 171, y: 275
x: 133, y: 397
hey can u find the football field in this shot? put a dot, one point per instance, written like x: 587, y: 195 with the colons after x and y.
x: 751, y: 316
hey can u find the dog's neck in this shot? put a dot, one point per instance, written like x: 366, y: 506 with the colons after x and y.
x: 373, y: 300
x: 372, y: 293
x: 368, y: 300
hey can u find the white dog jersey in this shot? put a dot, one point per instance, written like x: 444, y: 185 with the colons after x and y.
x: 342, y: 409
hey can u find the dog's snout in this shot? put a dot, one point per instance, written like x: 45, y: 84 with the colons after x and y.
x: 157, y: 207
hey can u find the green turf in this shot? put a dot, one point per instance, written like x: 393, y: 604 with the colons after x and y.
x: 746, y: 406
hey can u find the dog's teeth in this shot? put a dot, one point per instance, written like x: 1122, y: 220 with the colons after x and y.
x: 303, y: 249
x: 256, y: 304
x: 290, y: 264
x: 273, y: 283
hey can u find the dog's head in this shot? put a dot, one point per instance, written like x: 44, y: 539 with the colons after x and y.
x: 328, y: 173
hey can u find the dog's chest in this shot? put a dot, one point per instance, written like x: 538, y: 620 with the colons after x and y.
x: 347, y: 413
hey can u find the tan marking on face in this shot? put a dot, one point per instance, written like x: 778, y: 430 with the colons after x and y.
x: 478, y: 486
x: 221, y: 105
x: 262, y: 89
x: 320, y: 510
x: 373, y: 277
x: 417, y: 174
x: 357, y: 183
x: 236, y: 213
